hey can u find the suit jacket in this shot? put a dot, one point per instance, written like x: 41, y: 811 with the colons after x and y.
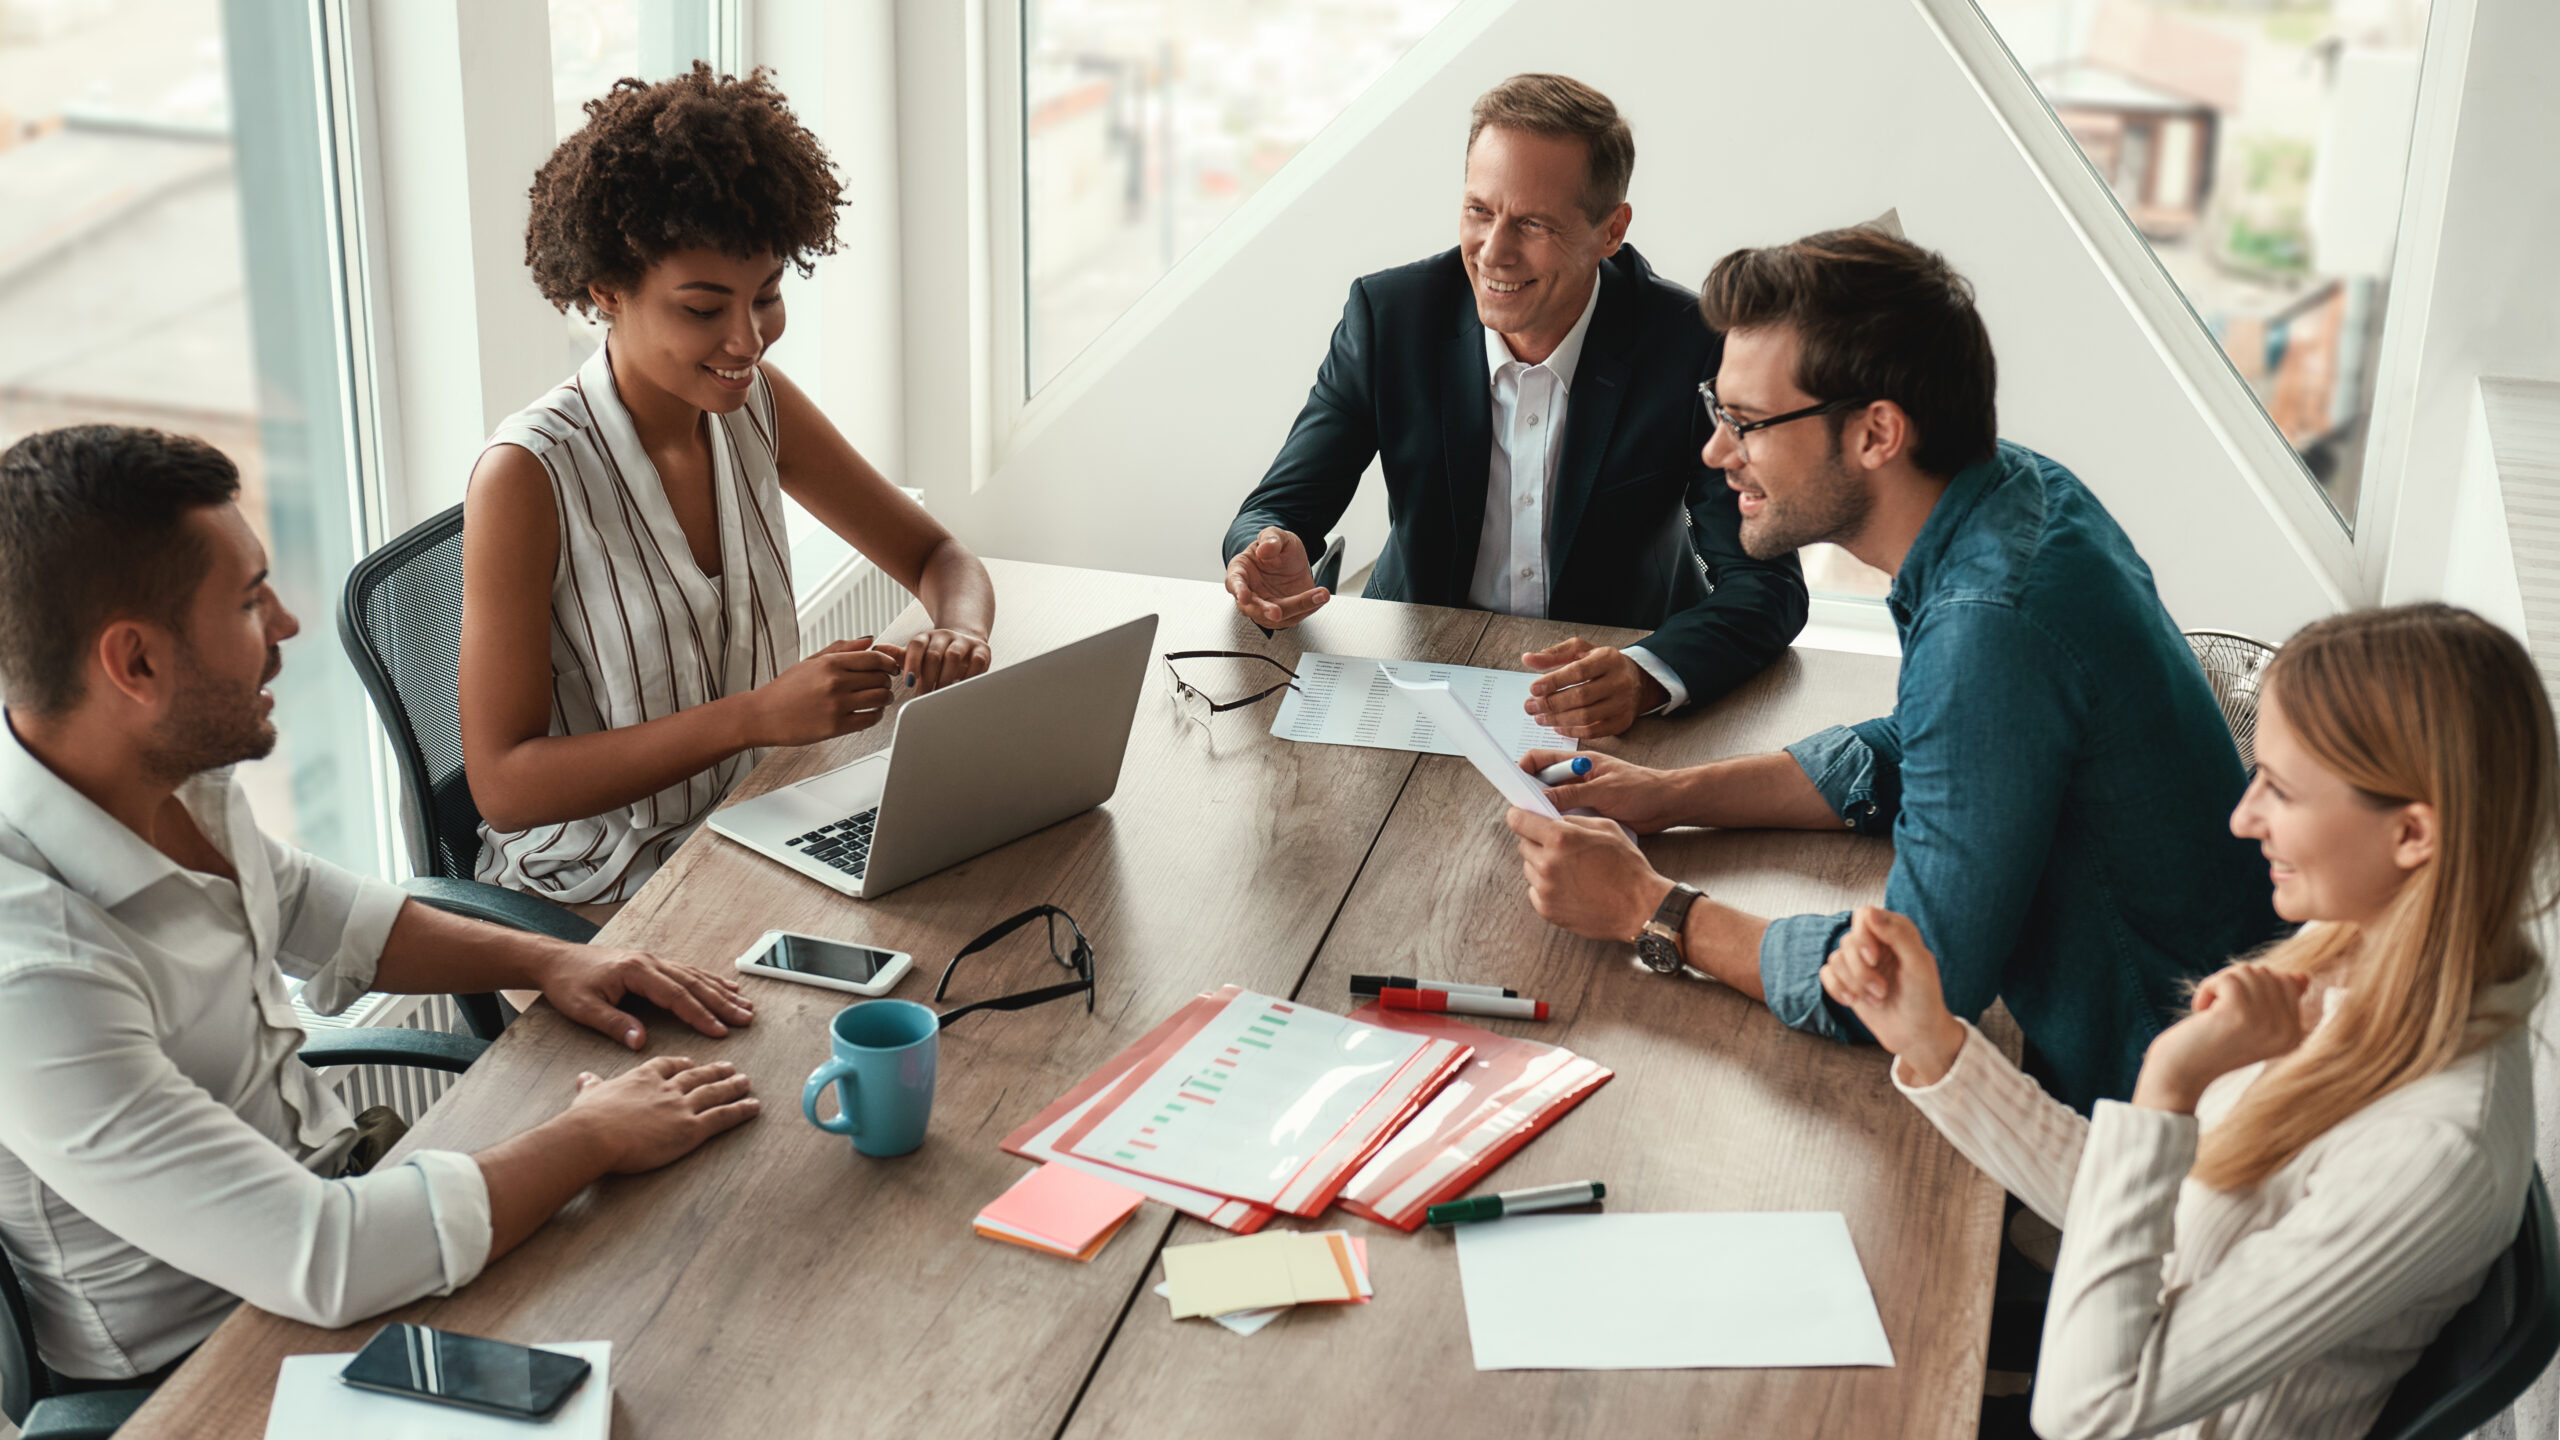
x: 1641, y: 534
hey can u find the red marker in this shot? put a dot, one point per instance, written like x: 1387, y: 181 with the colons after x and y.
x: 1451, y: 1002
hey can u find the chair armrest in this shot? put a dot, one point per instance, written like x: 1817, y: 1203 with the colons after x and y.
x: 90, y: 1415
x: 391, y: 1045
x: 1328, y: 567
x: 511, y: 908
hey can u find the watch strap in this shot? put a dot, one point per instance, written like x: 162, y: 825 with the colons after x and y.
x: 1673, y: 913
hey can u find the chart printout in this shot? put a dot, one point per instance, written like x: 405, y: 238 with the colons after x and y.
x: 1346, y: 700
x: 1244, y: 1105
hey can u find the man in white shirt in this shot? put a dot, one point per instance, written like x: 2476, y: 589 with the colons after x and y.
x: 163, y: 1153
x: 1532, y: 399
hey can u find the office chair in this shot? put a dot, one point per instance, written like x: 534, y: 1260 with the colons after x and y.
x: 401, y: 623
x: 2234, y: 665
x: 2492, y: 1348
x: 29, y: 1393
x: 1328, y: 566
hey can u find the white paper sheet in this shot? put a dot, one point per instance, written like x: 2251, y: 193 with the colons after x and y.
x: 311, y: 1404
x: 1668, y: 1292
x: 1243, y: 1105
x: 1348, y: 700
x: 1450, y: 717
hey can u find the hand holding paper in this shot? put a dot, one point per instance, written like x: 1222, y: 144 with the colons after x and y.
x: 1441, y: 706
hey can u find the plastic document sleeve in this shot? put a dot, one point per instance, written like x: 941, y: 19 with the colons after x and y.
x: 1508, y: 1092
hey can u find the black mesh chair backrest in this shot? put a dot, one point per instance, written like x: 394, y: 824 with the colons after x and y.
x: 401, y: 624
x: 2492, y: 1348
x: 23, y: 1381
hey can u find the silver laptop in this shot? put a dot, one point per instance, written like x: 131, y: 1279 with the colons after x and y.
x: 968, y: 768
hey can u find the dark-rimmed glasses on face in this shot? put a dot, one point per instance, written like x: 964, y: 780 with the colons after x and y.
x: 1196, y: 705
x: 1726, y: 420
x: 1078, y: 957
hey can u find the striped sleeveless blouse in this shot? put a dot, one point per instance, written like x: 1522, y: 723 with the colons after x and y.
x: 638, y: 632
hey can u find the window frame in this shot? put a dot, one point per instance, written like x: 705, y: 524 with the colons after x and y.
x: 2350, y: 556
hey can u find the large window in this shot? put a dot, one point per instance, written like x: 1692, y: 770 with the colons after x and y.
x: 1146, y: 122
x: 2260, y: 146
x: 167, y: 259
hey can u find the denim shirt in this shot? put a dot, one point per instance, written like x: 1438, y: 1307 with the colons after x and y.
x: 2057, y: 780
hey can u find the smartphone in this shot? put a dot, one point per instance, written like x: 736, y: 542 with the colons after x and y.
x: 830, y: 964
x: 464, y: 1370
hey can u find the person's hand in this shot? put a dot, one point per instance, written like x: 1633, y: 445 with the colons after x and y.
x: 1273, y: 584
x: 841, y: 689
x: 1589, y: 690
x: 942, y: 657
x: 2243, y: 1014
x: 1585, y: 875
x: 1884, y: 973
x: 587, y: 983
x: 660, y: 1110
x: 1643, y: 800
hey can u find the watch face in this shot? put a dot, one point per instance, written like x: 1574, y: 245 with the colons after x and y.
x: 1659, y: 955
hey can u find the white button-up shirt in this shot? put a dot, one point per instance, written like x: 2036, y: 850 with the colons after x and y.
x: 1529, y: 404
x: 163, y: 1152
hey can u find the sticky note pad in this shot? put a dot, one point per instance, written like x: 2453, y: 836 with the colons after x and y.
x: 1061, y: 1210
x: 1259, y: 1271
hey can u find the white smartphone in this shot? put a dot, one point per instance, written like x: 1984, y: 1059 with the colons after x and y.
x: 829, y: 964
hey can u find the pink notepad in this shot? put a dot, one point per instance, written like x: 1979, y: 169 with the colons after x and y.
x: 1060, y: 1210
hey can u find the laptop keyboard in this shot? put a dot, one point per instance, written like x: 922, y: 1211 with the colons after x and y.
x: 845, y: 845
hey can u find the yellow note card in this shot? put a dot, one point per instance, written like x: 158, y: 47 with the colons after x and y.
x: 1258, y: 1271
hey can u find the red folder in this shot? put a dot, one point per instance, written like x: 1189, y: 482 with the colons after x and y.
x: 1508, y: 1092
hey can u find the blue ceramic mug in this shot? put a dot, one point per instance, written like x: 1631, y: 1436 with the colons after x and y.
x: 882, y: 1073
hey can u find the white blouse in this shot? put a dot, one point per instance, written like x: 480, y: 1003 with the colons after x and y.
x: 164, y: 1152
x: 638, y: 632
x: 2287, y: 1310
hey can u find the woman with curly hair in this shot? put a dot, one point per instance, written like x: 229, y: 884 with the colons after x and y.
x: 2321, y: 1160
x: 631, y: 643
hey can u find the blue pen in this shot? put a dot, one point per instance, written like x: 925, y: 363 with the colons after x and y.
x: 1563, y: 770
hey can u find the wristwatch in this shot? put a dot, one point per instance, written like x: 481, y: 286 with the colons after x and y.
x: 1658, y: 945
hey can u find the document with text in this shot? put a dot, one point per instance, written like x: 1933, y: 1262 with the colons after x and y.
x: 1348, y: 700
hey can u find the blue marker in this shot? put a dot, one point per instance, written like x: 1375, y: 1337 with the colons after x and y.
x: 1563, y: 770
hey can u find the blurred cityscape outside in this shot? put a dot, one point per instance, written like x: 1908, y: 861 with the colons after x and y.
x: 1147, y: 122
x: 129, y: 294
x: 2261, y: 147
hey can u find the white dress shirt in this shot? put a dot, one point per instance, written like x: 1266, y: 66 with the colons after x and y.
x: 164, y: 1154
x: 1529, y: 404
x: 2289, y: 1309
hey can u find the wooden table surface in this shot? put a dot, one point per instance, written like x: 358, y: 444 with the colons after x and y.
x: 774, y: 1282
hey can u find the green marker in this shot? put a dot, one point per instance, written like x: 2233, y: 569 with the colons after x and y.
x: 1516, y: 1202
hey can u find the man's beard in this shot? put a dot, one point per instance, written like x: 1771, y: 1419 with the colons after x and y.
x: 1829, y: 506
x: 211, y: 723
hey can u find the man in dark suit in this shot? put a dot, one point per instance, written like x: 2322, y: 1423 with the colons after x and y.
x: 1533, y: 395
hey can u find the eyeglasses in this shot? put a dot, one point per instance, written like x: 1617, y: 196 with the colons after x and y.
x: 1725, y: 419
x: 1078, y: 958
x: 1196, y: 705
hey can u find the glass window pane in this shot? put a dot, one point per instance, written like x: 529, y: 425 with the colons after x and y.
x: 1835, y: 574
x: 593, y: 44
x: 164, y: 261
x: 1146, y: 122
x: 2261, y: 148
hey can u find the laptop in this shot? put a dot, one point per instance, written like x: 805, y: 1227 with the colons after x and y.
x: 968, y: 768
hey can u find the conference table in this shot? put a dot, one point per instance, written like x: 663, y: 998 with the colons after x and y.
x: 776, y: 1284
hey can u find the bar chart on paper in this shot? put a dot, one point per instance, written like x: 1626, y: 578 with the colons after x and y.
x: 1246, y: 1103
x: 1347, y: 700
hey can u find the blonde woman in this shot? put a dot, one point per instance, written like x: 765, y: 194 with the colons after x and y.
x: 2321, y: 1160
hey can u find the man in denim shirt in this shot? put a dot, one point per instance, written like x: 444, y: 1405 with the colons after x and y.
x: 2055, y: 774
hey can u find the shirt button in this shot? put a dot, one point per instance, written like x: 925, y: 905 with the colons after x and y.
x: 1526, y: 501
x: 1526, y: 572
x: 1533, y: 419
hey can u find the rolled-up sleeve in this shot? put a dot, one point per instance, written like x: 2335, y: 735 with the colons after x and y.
x: 93, y: 1106
x: 335, y: 923
x: 1969, y: 773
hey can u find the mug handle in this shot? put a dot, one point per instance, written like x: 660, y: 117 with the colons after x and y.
x: 819, y: 1080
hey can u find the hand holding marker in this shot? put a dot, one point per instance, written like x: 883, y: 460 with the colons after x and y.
x: 1564, y: 770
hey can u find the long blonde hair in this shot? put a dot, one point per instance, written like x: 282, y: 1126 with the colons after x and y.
x: 2423, y: 703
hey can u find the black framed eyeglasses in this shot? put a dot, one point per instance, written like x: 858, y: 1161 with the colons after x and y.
x: 1726, y: 420
x: 1196, y: 705
x: 1078, y: 957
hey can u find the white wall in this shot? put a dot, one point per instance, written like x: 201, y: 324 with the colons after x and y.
x: 1142, y: 459
x: 2487, y: 281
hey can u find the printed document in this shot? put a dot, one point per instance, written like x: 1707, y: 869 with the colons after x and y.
x: 1668, y: 1292
x: 1346, y: 700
